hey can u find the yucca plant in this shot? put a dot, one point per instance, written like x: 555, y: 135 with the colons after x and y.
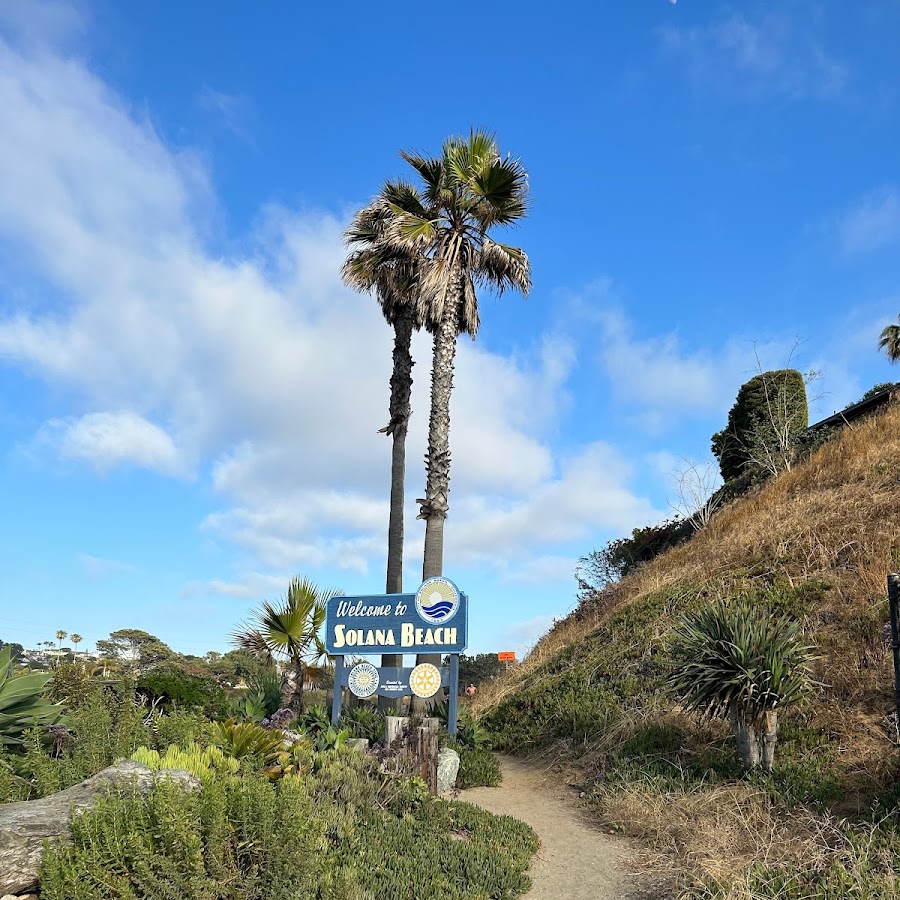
x: 740, y: 661
x: 22, y: 702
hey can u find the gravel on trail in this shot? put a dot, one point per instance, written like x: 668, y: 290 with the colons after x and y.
x: 576, y: 861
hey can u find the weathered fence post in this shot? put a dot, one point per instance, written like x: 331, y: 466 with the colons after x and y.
x: 893, y: 583
x: 427, y: 753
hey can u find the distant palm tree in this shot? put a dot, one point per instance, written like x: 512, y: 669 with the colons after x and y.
x: 76, y: 640
x: 890, y: 342
x: 393, y: 275
x: 60, y: 636
x: 288, y: 631
x: 466, y: 192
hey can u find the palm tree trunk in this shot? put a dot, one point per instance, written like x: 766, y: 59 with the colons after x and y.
x: 400, y: 410
x: 747, y: 738
x: 769, y: 738
x: 433, y: 509
x: 292, y: 687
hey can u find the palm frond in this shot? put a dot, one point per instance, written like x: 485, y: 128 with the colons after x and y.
x: 504, y: 267
x: 890, y: 342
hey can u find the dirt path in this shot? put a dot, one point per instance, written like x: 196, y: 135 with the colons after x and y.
x: 576, y: 861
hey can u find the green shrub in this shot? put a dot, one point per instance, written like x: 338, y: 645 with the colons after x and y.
x: 477, y: 768
x: 240, y: 838
x: 108, y: 726
x: 768, y: 415
x: 180, y: 727
x: 344, y: 832
x: 173, y: 688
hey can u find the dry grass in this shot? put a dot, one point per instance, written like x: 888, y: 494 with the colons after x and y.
x: 835, y: 517
x: 711, y: 835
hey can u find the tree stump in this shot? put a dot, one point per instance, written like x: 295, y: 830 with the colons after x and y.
x: 413, y: 752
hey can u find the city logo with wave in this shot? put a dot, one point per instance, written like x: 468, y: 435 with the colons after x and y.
x: 437, y: 600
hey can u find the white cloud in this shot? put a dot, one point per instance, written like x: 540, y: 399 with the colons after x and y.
x: 770, y: 55
x: 522, y: 636
x: 662, y: 380
x: 97, y: 567
x: 107, y: 440
x: 258, y: 365
x: 873, y: 223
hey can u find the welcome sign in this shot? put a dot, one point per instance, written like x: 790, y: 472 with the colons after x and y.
x: 433, y: 620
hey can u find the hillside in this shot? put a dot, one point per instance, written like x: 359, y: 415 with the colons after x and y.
x: 816, y: 542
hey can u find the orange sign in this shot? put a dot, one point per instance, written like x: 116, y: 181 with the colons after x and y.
x: 507, y: 656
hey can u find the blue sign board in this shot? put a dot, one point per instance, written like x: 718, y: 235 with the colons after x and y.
x: 433, y: 620
x: 390, y: 681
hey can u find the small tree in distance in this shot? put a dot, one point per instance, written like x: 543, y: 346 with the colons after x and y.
x: 739, y: 661
x: 696, y: 491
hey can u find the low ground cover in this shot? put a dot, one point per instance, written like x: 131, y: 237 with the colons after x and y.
x: 312, y: 819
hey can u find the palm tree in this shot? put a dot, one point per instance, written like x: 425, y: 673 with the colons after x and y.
x: 76, y: 640
x: 60, y: 636
x: 288, y: 631
x: 465, y: 193
x: 890, y: 342
x: 392, y: 274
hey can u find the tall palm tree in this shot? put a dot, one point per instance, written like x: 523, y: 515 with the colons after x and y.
x: 392, y: 274
x: 890, y: 342
x: 76, y: 640
x: 465, y: 193
x: 288, y: 631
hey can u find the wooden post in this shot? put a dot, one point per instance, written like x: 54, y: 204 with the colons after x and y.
x: 394, y: 729
x: 893, y: 582
x: 336, y: 697
x: 453, y: 700
x: 427, y: 753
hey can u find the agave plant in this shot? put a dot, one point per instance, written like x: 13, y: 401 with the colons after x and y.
x: 741, y: 662
x: 22, y: 702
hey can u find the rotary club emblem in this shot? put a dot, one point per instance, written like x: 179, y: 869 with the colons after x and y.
x: 425, y: 680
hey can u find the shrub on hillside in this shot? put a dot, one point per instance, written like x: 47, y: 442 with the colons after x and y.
x: 618, y: 558
x: 768, y: 415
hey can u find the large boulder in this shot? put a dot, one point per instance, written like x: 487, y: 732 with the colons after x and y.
x: 25, y: 826
x: 447, y: 769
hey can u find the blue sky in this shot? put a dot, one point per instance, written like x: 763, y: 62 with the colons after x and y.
x: 190, y: 399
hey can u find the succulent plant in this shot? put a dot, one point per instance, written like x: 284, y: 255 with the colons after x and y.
x: 22, y: 703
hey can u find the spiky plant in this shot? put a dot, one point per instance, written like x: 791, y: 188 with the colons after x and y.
x: 22, y: 702
x: 740, y: 661
x: 288, y: 630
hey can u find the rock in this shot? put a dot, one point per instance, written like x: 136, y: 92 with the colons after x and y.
x: 359, y: 744
x: 24, y: 826
x: 447, y: 769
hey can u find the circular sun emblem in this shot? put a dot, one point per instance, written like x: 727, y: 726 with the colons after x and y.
x: 437, y: 600
x: 363, y: 679
x: 425, y: 680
